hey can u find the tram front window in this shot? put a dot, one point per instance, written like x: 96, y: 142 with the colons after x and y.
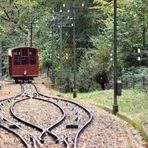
x: 24, y: 56
x: 17, y: 57
x: 32, y: 54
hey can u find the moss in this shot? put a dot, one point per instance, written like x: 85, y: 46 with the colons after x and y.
x: 135, y: 125
x: 127, y: 119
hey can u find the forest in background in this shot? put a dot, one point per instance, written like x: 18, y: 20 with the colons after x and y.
x: 94, y: 38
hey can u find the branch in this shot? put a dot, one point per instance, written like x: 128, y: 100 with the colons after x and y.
x: 7, y: 14
x: 6, y: 19
x: 22, y: 29
x: 16, y: 7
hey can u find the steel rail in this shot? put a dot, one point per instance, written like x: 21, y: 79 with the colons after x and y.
x: 48, y: 130
x: 53, y: 125
x: 37, y: 127
x: 9, y: 130
x: 20, y: 137
x: 63, y: 112
x: 5, y: 119
x: 20, y: 119
x: 34, y: 126
x: 10, y: 98
x: 86, y: 110
x: 33, y: 137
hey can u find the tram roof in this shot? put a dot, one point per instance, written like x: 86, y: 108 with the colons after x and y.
x: 11, y: 49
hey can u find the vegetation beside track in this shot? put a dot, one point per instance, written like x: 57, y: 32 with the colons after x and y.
x: 133, y: 103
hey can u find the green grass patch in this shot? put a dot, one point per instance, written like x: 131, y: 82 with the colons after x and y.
x: 133, y: 105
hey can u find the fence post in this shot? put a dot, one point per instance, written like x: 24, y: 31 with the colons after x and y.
x: 0, y: 86
x: 143, y: 82
x: 126, y: 83
x: 133, y: 83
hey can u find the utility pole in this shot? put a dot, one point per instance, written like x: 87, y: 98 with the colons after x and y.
x: 115, y: 105
x: 30, y: 34
x: 60, y: 24
x: 31, y: 23
x: 0, y: 60
x: 53, y: 56
x: 74, y: 7
x: 144, y: 32
x: 61, y: 48
x: 74, y: 53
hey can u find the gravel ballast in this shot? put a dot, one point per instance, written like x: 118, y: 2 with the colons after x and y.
x: 105, y: 131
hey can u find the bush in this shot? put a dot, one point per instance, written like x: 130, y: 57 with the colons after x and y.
x: 135, y: 77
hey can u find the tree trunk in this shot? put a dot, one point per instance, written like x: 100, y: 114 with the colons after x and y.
x: 0, y: 60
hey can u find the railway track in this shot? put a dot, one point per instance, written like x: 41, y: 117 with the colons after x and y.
x: 61, y: 125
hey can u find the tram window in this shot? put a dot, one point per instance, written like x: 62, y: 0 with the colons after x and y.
x: 32, y: 60
x: 16, y: 60
x: 24, y: 56
x: 32, y: 54
x: 16, y: 56
x: 24, y: 60
x: 25, y: 52
x: 17, y: 52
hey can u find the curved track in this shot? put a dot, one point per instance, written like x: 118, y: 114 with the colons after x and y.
x: 76, y: 104
x: 72, y: 102
x: 17, y: 135
x: 26, y: 128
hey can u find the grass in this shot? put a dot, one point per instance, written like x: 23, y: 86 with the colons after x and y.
x: 133, y: 103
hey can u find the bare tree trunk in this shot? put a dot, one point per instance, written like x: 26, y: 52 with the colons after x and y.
x: 30, y: 36
x: 0, y: 60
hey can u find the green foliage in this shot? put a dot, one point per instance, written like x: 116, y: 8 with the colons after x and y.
x: 67, y: 79
x: 136, y: 72
x: 94, y: 62
x: 94, y: 35
x: 86, y: 71
x: 45, y: 62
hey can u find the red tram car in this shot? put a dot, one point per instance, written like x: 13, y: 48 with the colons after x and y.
x: 23, y: 63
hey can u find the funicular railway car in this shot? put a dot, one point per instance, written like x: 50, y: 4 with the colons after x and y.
x: 23, y: 63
